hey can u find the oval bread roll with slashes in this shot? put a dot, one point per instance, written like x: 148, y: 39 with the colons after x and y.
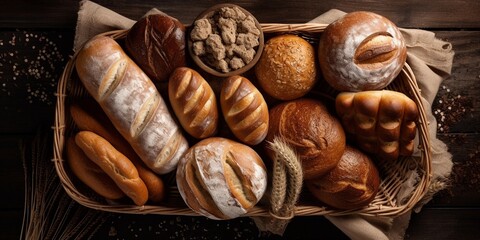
x: 193, y: 102
x: 361, y: 51
x: 131, y: 102
x: 353, y: 183
x: 220, y: 178
x: 244, y: 110
x: 90, y: 173
x: 382, y: 122
x: 115, y: 164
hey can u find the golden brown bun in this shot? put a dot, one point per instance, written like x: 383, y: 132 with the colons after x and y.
x: 193, y: 102
x: 353, y: 183
x: 90, y: 173
x: 85, y: 120
x: 115, y: 164
x: 244, y: 110
x: 361, y: 51
x: 157, y: 44
x: 315, y: 134
x: 287, y: 68
x: 382, y: 122
x: 132, y: 103
x: 220, y: 178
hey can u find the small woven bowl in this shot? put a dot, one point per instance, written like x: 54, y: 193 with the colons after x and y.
x: 199, y: 62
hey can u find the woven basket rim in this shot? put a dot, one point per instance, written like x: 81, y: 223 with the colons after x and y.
x: 376, y: 208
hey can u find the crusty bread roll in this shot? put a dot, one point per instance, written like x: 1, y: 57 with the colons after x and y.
x: 131, y: 102
x: 157, y: 43
x: 287, y: 68
x: 88, y: 116
x: 90, y: 173
x: 315, y: 134
x: 361, y: 51
x: 353, y: 183
x: 220, y: 178
x: 193, y: 102
x: 382, y: 121
x: 244, y: 110
x: 115, y: 164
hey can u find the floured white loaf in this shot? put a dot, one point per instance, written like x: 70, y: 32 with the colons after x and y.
x: 131, y: 101
x: 220, y: 178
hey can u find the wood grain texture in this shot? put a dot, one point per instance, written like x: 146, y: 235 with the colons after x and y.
x: 411, y: 13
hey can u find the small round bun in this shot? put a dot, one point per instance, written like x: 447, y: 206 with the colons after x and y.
x: 353, y: 183
x: 220, y: 178
x: 287, y: 68
x: 361, y: 51
x: 316, y: 135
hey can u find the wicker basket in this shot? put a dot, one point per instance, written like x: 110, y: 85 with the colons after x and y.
x: 394, y: 174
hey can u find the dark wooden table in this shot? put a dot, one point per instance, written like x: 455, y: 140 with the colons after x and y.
x: 36, y: 41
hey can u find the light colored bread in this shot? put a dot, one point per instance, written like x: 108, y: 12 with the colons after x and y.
x: 382, y: 122
x: 353, y: 183
x: 90, y: 173
x: 193, y: 102
x: 132, y: 103
x: 316, y: 135
x: 287, y: 68
x: 114, y: 164
x: 220, y: 178
x: 361, y: 51
x: 85, y: 120
x: 244, y: 110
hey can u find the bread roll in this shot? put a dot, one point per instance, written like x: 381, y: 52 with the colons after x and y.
x: 220, y: 178
x: 157, y: 44
x: 353, y: 183
x: 361, y: 51
x: 90, y: 173
x: 287, y: 68
x: 194, y: 102
x: 131, y: 102
x: 315, y: 135
x: 244, y: 110
x: 115, y: 164
x: 85, y: 120
x: 382, y: 122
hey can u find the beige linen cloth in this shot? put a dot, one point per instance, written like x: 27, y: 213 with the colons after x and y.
x: 431, y: 61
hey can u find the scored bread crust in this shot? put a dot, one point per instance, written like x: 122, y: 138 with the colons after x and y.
x: 220, y: 178
x: 382, y: 122
x: 90, y: 173
x: 193, y: 102
x: 344, y: 62
x: 244, y: 110
x: 353, y: 183
x: 114, y: 164
x: 132, y: 103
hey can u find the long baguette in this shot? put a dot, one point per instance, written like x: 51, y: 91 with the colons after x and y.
x: 131, y: 101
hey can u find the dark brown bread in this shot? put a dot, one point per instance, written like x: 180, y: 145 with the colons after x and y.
x: 157, y: 44
x: 315, y: 134
x: 220, y: 178
x: 353, y: 183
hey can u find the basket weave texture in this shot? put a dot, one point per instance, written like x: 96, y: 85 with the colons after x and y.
x: 394, y: 174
